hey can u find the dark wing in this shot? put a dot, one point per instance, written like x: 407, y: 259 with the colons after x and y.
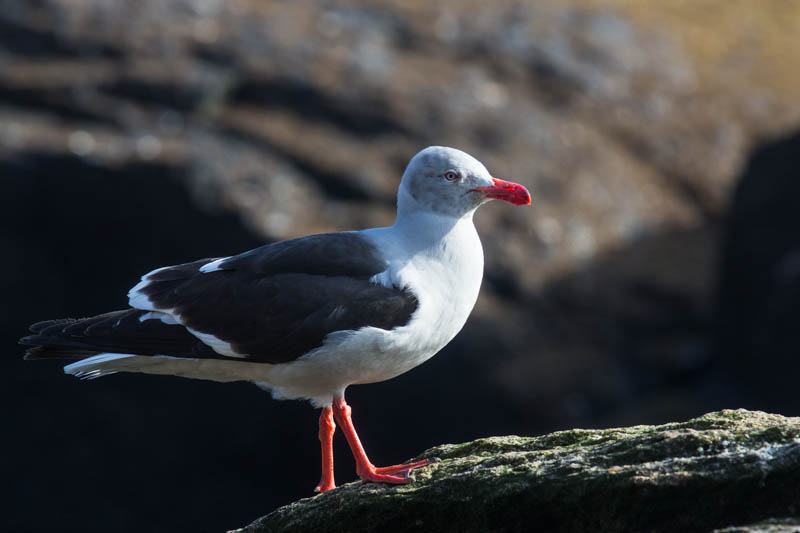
x: 118, y: 332
x: 272, y: 304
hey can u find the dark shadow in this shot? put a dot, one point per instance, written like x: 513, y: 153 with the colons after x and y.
x: 180, y: 95
x: 53, y: 101
x: 28, y: 41
x: 759, y: 290
x: 364, y: 117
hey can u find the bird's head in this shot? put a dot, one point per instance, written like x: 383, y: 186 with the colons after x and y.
x: 450, y: 182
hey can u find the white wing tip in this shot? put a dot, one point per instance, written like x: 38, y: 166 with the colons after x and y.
x: 138, y: 300
x: 213, y: 266
x: 95, y: 366
x: 216, y: 344
x: 164, y: 317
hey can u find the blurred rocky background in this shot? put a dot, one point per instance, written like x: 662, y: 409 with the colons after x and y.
x: 656, y: 277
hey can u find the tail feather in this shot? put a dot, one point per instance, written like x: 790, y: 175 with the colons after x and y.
x: 39, y: 326
x: 51, y: 352
x: 130, y: 340
x: 130, y: 331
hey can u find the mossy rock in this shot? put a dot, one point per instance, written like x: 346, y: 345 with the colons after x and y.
x: 716, y: 471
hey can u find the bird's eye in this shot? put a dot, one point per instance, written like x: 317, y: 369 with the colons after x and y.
x: 451, y: 175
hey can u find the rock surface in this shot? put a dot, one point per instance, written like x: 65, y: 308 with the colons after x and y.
x: 771, y: 525
x: 716, y: 471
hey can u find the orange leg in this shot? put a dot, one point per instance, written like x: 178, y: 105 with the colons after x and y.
x: 364, y: 468
x: 326, y: 429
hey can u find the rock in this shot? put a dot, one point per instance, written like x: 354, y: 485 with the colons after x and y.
x: 721, y: 469
x: 771, y: 525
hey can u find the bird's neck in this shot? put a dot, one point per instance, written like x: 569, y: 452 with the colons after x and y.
x: 420, y: 224
x: 425, y: 230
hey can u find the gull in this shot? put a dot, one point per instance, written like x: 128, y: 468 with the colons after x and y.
x: 306, y: 318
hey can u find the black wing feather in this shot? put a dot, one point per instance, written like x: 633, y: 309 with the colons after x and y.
x: 277, y: 302
x: 117, y: 331
x: 272, y: 304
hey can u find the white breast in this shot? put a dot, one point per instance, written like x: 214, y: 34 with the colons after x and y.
x: 446, y: 277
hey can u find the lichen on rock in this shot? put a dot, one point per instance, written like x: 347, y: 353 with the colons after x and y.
x: 716, y: 471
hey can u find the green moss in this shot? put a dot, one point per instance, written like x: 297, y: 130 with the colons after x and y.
x: 703, y: 473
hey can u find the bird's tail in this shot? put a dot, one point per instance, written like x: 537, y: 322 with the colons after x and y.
x: 48, y: 343
x: 83, y: 340
x: 130, y: 340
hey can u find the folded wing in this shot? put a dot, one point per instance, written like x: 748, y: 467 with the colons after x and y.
x: 271, y: 305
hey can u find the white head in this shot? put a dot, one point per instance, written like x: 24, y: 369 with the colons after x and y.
x: 450, y: 182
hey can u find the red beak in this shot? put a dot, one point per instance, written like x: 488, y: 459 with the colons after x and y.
x: 507, y: 191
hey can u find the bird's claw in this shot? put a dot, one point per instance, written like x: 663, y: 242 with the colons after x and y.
x: 396, y: 474
x: 324, y: 487
x: 405, y: 468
